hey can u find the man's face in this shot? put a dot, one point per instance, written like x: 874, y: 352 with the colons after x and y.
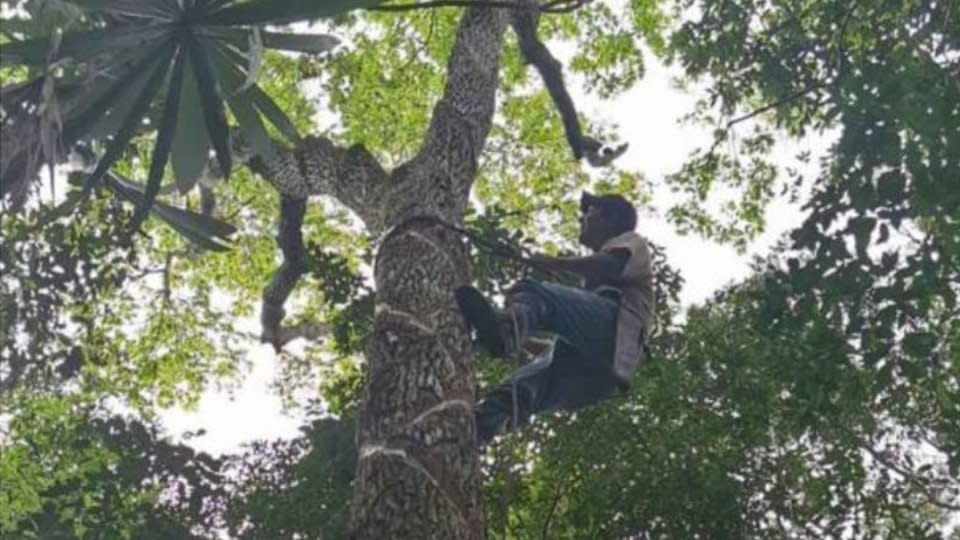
x: 593, y: 227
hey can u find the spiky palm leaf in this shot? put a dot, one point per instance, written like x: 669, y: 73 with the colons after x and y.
x: 196, y: 53
x: 204, y: 231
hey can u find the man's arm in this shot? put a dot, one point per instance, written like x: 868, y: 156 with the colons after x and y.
x: 605, y: 266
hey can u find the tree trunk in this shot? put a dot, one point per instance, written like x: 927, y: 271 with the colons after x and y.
x: 418, y: 475
x: 418, y: 469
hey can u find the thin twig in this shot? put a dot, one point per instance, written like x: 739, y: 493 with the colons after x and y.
x: 839, y: 58
x: 167, y: 267
x: 146, y: 272
x: 233, y: 215
x: 783, y: 101
x: 910, y: 477
x: 568, y: 480
x: 424, y: 46
x: 310, y: 331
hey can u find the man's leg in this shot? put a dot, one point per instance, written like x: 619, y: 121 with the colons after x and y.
x: 504, y: 331
x: 564, y: 381
x: 583, y: 319
x: 494, y: 413
x: 578, y: 373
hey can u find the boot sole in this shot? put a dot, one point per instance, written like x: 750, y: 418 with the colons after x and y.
x: 481, y: 316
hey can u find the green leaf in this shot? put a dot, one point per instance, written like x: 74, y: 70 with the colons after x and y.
x: 199, y: 229
x: 85, y: 116
x: 116, y: 146
x: 110, y: 122
x: 283, y: 11
x: 919, y: 344
x: 213, y: 110
x: 891, y: 186
x: 269, y: 108
x: 240, y: 103
x: 161, y: 149
x: 204, y: 231
x: 133, y: 119
x: 139, y: 9
x: 198, y: 223
x: 201, y: 241
x: 82, y: 46
x: 309, y: 43
x: 191, y: 145
x: 240, y: 37
x: 862, y: 228
x: 261, y: 100
x: 251, y: 126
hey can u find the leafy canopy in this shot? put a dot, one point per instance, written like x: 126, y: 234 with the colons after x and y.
x: 792, y: 403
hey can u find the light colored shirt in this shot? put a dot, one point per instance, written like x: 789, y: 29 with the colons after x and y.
x: 634, y: 287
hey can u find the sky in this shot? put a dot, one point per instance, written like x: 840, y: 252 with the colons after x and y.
x: 646, y: 117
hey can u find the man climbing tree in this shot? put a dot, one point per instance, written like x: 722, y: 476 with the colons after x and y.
x: 417, y: 470
x: 601, y: 328
x: 791, y: 405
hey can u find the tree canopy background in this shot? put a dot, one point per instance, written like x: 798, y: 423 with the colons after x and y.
x: 818, y: 397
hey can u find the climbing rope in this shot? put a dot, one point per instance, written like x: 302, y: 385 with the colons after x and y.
x: 513, y: 378
x: 504, y: 251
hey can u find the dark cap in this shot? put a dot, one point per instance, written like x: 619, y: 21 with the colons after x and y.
x: 617, y: 208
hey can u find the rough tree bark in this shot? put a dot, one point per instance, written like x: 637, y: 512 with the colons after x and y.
x: 418, y: 469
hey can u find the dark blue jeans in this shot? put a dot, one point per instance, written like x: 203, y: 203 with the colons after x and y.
x: 577, y: 375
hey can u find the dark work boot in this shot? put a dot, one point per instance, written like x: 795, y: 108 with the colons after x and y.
x: 500, y: 331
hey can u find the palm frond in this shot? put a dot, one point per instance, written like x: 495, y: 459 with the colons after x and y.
x: 102, y: 82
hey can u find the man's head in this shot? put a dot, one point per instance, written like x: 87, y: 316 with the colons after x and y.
x: 604, y: 216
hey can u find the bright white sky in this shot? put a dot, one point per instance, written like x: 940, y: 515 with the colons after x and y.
x: 647, y: 118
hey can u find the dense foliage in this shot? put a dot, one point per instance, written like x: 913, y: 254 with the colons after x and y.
x: 820, y: 397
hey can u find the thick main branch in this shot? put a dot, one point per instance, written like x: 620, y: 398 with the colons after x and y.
x: 437, y: 180
x: 317, y: 166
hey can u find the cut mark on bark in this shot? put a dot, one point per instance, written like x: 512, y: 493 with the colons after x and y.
x: 371, y: 450
x: 406, y: 318
x: 442, y: 406
x: 424, y: 238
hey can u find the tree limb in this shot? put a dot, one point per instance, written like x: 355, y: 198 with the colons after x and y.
x: 438, y: 179
x: 309, y: 331
x: 290, y: 240
x: 534, y: 52
x: 316, y: 166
